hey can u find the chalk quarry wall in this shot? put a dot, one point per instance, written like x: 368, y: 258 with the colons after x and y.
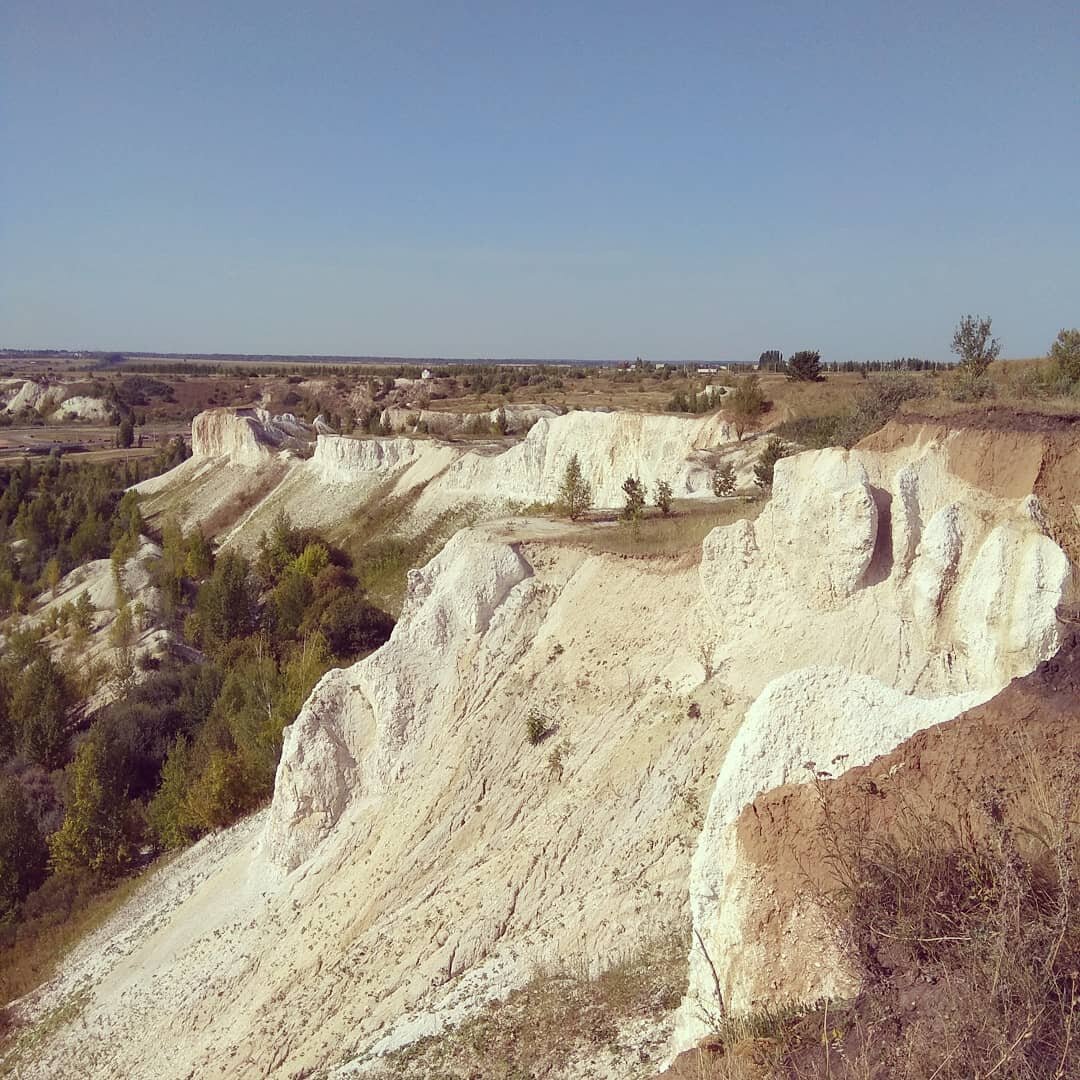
x: 910, y: 581
x: 420, y: 858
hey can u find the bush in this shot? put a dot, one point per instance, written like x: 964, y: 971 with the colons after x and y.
x: 634, y: 491
x: 723, y: 480
x: 745, y: 403
x: 805, y: 366
x: 575, y: 493
x: 536, y: 726
x: 1065, y: 354
x: 974, y: 346
x: 774, y: 450
x: 663, y: 497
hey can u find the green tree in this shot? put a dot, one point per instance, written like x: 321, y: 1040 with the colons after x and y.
x: 774, y: 450
x: 745, y: 403
x: 94, y: 836
x: 40, y: 698
x: 125, y: 433
x: 663, y: 497
x: 200, y: 555
x: 23, y: 854
x: 53, y: 575
x: 974, y: 346
x: 634, y: 492
x: 168, y: 814
x: 1065, y: 354
x: 575, y: 492
x: 226, y: 606
x: 805, y: 366
x: 723, y: 480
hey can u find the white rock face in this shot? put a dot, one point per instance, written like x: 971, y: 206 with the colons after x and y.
x: 609, y: 446
x: 80, y: 407
x: 347, y: 741
x: 839, y: 569
x: 811, y: 715
x: 34, y: 395
x: 338, y: 459
x: 911, y: 580
x: 245, y: 436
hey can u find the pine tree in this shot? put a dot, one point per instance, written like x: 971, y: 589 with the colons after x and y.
x: 723, y: 480
x: 634, y: 490
x: 93, y: 837
x: 575, y: 492
x: 663, y: 497
x: 774, y: 450
x: 805, y: 366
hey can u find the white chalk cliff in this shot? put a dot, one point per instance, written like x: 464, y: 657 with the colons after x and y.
x: 906, y: 579
x: 420, y: 858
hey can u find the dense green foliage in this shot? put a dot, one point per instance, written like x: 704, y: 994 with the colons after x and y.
x: 56, y: 515
x: 805, y: 366
x: 774, y: 450
x: 1065, y: 354
x: 974, y: 346
x: 634, y: 493
x: 186, y: 747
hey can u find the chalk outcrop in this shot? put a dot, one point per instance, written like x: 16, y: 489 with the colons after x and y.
x: 246, y: 436
x: 609, y: 446
x: 952, y: 594
x: 421, y: 858
x: 348, y: 740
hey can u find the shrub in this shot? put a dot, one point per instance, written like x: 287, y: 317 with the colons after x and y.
x: 974, y: 346
x: 774, y: 450
x: 663, y: 497
x: 634, y: 491
x: 536, y: 726
x: 575, y: 492
x: 723, y: 480
x: 805, y: 366
x: 1065, y: 353
x: 745, y: 403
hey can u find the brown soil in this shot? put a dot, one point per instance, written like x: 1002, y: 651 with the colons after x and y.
x: 1001, y: 758
x: 1008, y: 453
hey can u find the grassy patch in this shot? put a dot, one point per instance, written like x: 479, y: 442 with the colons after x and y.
x: 657, y: 536
x: 20, y: 1043
x: 555, y: 1019
x: 383, y: 551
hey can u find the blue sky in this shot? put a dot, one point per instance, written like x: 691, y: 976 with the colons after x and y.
x: 592, y: 179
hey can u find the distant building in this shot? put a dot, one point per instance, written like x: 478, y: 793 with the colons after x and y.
x: 426, y: 373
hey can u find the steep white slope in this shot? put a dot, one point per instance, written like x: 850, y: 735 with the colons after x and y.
x: 420, y: 857
x: 436, y: 856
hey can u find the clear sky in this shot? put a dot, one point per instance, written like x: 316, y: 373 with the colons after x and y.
x: 590, y: 179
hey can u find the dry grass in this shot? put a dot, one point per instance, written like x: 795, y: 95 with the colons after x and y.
x: 657, y: 536
x: 31, y: 951
x: 558, y: 1018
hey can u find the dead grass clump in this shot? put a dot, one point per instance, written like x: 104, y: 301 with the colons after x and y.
x: 558, y: 1018
x: 966, y: 922
x: 658, y: 536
